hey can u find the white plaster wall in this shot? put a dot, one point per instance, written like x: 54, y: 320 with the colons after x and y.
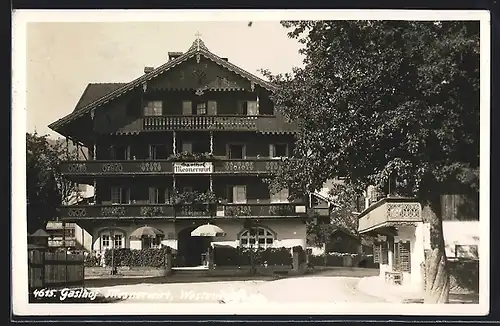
x: 289, y: 233
x: 170, y: 243
x: 460, y: 233
x: 135, y: 244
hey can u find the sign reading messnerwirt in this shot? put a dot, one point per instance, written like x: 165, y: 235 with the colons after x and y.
x: 193, y: 167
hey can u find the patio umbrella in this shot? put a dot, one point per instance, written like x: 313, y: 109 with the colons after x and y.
x: 146, y: 232
x: 208, y: 230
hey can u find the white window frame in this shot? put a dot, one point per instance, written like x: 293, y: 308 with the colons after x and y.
x: 153, y: 109
x: 268, y: 237
x: 118, y: 238
x: 106, y: 236
x: 202, y: 108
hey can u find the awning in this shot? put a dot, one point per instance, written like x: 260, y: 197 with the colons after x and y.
x: 208, y: 230
x: 146, y: 232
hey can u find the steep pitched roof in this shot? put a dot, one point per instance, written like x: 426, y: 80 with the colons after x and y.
x: 198, y: 48
x: 95, y: 91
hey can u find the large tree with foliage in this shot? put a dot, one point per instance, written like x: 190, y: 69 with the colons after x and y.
x: 45, y: 188
x: 389, y: 103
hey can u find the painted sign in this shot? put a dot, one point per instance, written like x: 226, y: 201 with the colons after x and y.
x: 193, y: 167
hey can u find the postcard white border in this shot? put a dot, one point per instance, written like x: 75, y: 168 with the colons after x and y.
x: 19, y: 247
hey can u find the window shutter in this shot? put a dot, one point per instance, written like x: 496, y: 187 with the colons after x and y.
x: 384, y: 253
x: 376, y: 253
x: 212, y: 108
x: 404, y: 256
x: 187, y: 108
x: 152, y: 195
x: 239, y: 194
x: 397, y: 261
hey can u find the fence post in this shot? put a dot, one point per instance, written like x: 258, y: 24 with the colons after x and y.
x: 42, y: 260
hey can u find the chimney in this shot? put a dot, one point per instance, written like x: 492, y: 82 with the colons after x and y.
x: 174, y: 55
x: 147, y: 70
x: 225, y: 59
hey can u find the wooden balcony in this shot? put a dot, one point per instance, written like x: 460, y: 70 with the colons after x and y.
x: 169, y: 211
x: 192, y: 123
x: 166, y: 167
x: 86, y: 168
x: 390, y: 212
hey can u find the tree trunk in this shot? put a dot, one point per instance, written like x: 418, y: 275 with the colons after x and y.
x: 437, y: 282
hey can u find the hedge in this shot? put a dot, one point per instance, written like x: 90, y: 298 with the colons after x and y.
x: 337, y: 259
x: 239, y: 256
x: 150, y: 257
x: 91, y: 261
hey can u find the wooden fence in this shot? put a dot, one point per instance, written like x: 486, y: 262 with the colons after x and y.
x: 54, y: 269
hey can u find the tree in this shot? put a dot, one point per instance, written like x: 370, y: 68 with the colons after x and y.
x: 393, y: 104
x: 45, y: 188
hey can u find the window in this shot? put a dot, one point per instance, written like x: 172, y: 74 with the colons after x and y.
x: 120, y: 195
x: 201, y: 108
x: 278, y: 150
x: 118, y: 241
x: 119, y: 152
x: 187, y: 108
x: 116, y: 195
x: 252, y: 108
x: 151, y: 243
x: 153, y: 108
x: 242, y: 107
x: 212, y: 107
x: 236, y: 151
x: 105, y: 243
x: 240, y: 194
x: 402, y: 258
x: 259, y: 238
x: 187, y: 147
x: 280, y: 197
x: 159, y: 195
x: 158, y: 151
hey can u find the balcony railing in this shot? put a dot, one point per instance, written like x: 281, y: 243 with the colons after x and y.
x: 220, y: 166
x: 115, y: 167
x: 133, y: 211
x: 390, y: 212
x: 237, y: 123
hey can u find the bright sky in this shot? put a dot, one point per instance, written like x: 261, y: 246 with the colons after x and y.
x: 62, y: 58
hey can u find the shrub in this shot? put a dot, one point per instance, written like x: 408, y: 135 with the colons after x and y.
x: 150, y: 257
x: 240, y: 256
x: 339, y: 259
x: 91, y: 261
x: 464, y: 275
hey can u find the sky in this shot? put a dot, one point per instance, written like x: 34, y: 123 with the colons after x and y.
x: 62, y: 58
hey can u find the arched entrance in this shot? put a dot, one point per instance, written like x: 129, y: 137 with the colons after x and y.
x: 190, y: 249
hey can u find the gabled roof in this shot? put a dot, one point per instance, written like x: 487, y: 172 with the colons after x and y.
x: 95, y: 91
x: 40, y: 234
x: 198, y: 48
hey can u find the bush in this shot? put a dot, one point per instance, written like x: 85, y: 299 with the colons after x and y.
x: 239, y: 256
x: 91, y: 261
x: 339, y: 259
x: 150, y: 257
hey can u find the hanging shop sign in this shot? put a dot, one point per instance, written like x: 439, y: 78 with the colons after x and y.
x: 193, y: 167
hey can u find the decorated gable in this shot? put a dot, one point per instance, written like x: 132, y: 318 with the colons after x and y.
x: 203, y: 75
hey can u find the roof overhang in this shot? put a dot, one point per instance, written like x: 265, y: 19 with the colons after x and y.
x: 197, y: 50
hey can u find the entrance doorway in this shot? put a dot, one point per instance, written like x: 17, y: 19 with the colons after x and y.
x: 190, y: 249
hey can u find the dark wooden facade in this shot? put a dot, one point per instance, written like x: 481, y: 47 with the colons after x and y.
x: 196, y: 124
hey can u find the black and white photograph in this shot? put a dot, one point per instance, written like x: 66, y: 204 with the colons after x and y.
x: 251, y: 162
